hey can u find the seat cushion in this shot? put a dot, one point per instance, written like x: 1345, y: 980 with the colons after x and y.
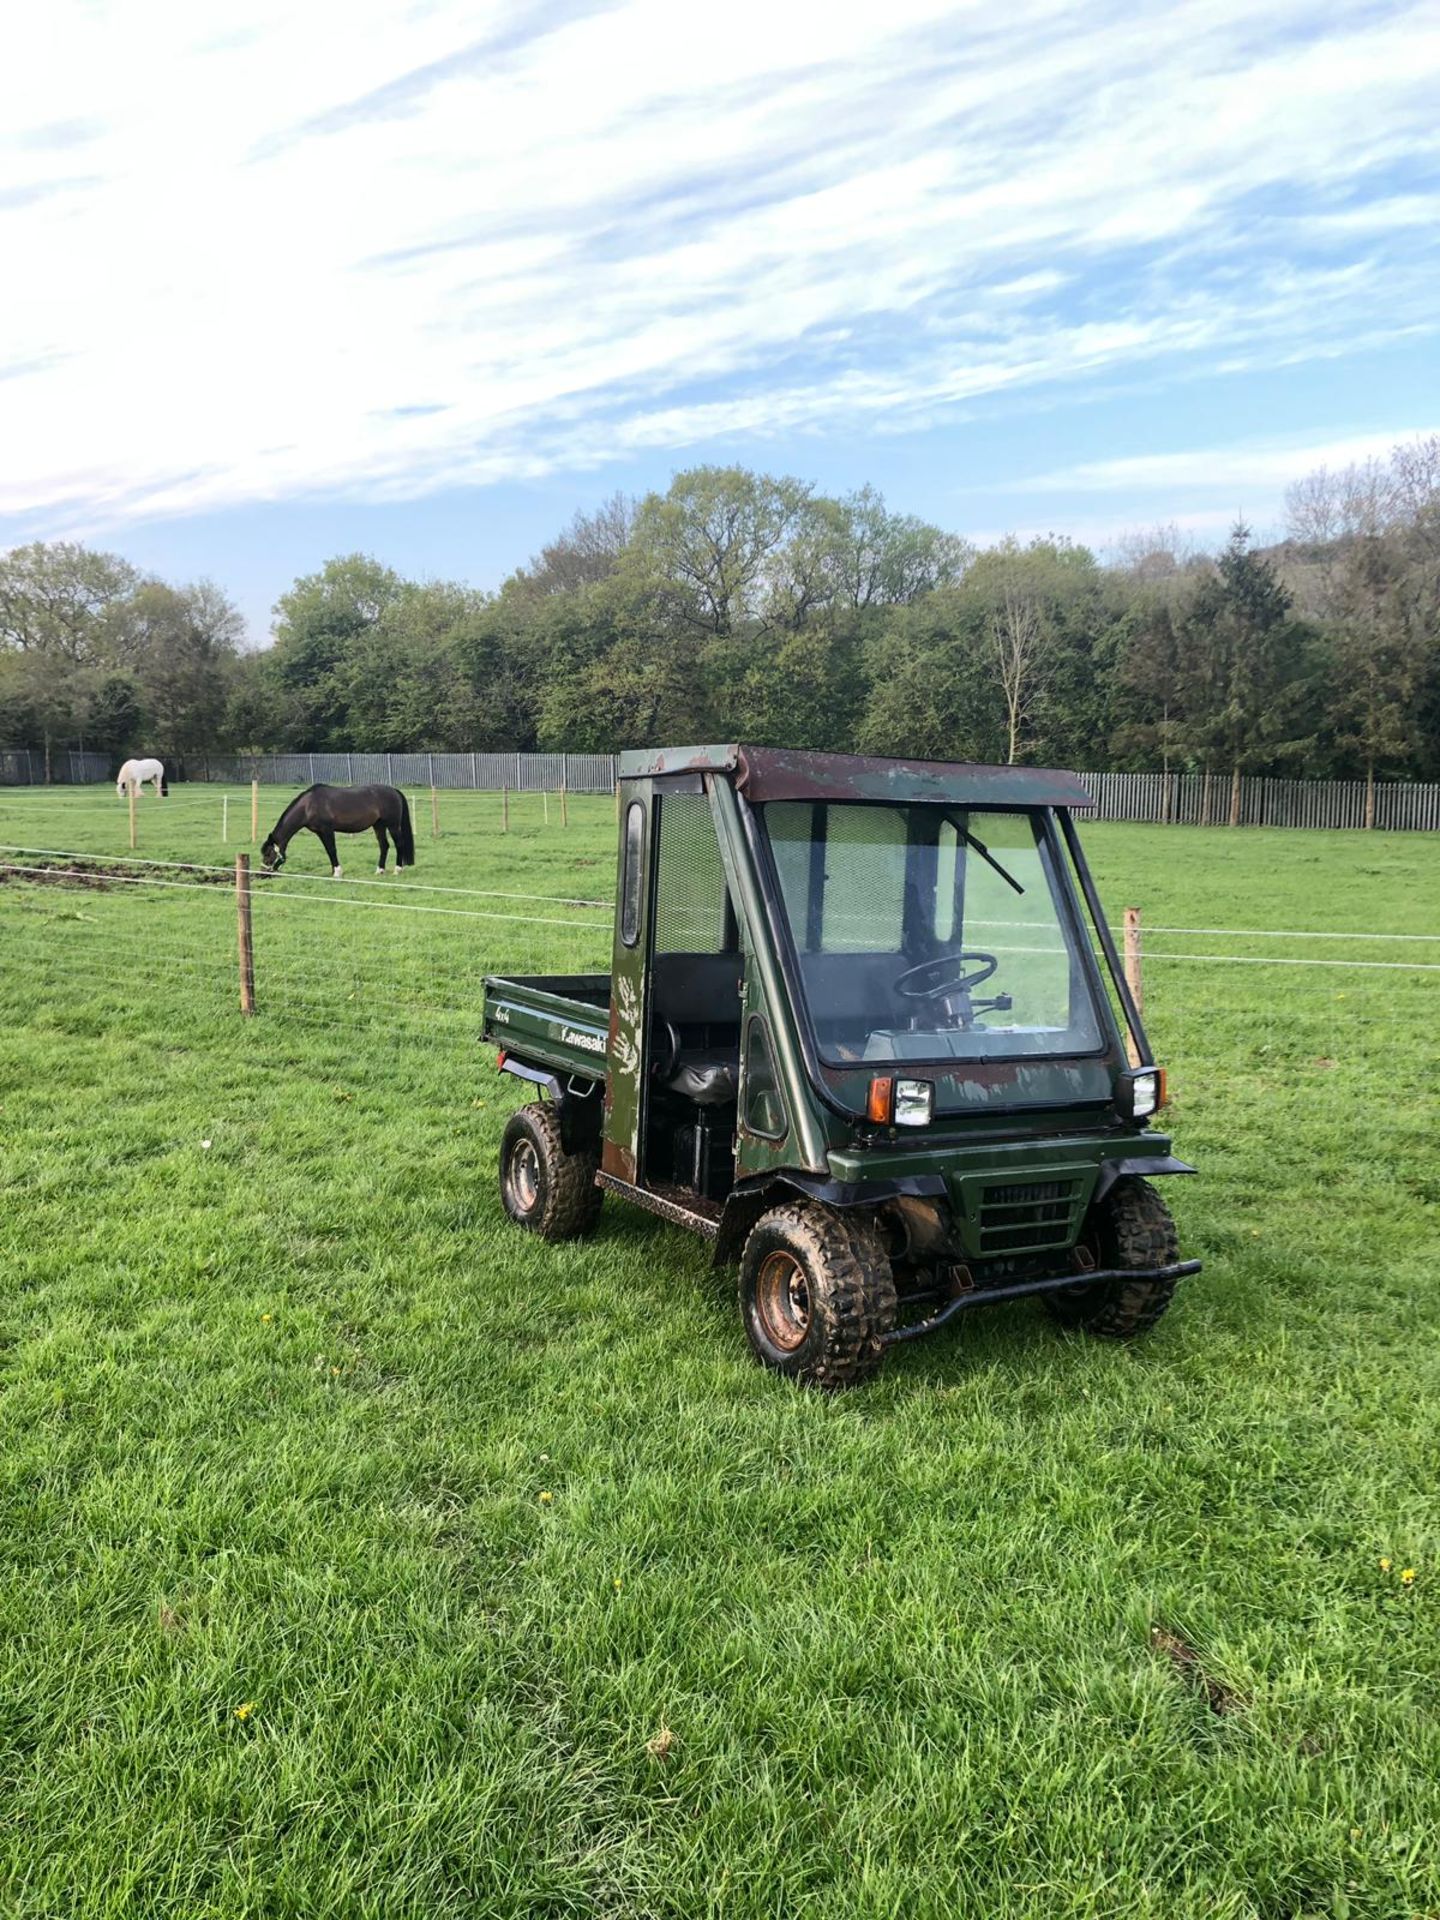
x: 708, y: 1082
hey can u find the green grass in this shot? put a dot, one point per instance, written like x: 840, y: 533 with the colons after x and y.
x: 278, y: 1411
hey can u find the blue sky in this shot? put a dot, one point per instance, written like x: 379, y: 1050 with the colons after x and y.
x: 284, y: 282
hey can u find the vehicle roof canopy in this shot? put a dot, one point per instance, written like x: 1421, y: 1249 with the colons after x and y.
x: 780, y: 773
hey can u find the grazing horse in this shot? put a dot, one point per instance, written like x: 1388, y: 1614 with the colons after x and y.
x: 135, y: 773
x: 327, y: 811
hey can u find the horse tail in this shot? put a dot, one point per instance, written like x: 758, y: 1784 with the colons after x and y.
x: 404, y: 835
x: 164, y: 782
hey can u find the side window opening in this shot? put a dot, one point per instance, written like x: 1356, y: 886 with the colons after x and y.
x: 693, y: 1042
x: 634, y: 880
x: 764, y: 1105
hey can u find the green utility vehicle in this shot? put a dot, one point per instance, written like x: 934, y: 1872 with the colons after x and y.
x: 865, y: 1030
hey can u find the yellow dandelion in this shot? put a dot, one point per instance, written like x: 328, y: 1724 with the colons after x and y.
x: 265, y: 1316
x: 1407, y: 1576
x: 1385, y: 1566
x: 547, y: 1499
x: 618, y: 1583
x: 244, y: 1710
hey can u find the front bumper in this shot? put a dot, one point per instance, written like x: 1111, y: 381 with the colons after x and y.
x: 1052, y: 1283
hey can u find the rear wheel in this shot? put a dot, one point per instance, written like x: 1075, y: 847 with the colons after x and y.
x: 543, y: 1188
x: 1131, y: 1227
x: 816, y: 1295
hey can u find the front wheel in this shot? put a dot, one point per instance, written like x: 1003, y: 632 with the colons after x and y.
x: 817, y: 1295
x: 1133, y: 1228
x: 542, y: 1187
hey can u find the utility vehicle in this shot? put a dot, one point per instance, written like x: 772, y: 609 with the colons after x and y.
x: 865, y: 1030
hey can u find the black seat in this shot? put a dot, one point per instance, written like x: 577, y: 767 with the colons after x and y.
x: 709, y: 1083
x: 695, y: 1004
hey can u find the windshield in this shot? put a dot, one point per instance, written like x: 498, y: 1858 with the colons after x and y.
x: 928, y: 933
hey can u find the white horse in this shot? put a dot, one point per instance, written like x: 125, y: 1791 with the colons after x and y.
x: 135, y: 773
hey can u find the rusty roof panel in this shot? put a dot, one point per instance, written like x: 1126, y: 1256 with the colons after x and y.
x: 649, y: 763
x: 780, y: 773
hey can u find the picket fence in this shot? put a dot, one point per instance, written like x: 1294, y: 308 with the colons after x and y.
x: 1186, y: 799
x: 21, y: 767
x: 484, y: 772
x: 1180, y: 799
x: 1197, y: 799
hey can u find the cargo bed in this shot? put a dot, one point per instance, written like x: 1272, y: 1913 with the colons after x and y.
x: 555, y: 1020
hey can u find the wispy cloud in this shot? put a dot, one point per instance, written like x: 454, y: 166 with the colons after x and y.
x: 459, y: 243
x: 1262, y: 466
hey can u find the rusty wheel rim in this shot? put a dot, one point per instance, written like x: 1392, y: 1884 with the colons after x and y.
x: 524, y: 1176
x: 782, y: 1300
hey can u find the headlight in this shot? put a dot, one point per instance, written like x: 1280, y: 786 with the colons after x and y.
x: 914, y: 1103
x: 1143, y: 1092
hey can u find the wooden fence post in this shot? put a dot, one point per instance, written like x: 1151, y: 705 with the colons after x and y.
x: 133, y: 785
x: 545, y: 803
x: 505, y: 809
x: 225, y: 818
x: 1235, y: 797
x: 254, y: 812
x: 434, y: 812
x: 1132, y: 974
x: 564, y: 803
x: 244, y: 933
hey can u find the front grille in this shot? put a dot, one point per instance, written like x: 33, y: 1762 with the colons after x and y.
x: 1027, y: 1216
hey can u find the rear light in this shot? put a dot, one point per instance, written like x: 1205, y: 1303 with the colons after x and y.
x: 501, y: 1058
x: 881, y: 1103
x: 914, y: 1103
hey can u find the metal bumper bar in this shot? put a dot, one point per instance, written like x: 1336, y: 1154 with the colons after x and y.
x: 1054, y: 1283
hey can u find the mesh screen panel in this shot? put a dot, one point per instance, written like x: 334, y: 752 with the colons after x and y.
x: 690, y: 888
x: 864, y: 864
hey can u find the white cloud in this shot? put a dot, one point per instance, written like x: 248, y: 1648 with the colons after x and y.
x: 1263, y: 467
x: 258, y: 250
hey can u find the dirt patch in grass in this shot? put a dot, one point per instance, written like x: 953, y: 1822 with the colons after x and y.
x: 102, y: 879
x: 1186, y: 1661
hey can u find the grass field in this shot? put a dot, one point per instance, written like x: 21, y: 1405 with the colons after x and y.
x: 362, y: 1556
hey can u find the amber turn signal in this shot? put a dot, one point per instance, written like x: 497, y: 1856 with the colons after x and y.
x: 881, y: 1103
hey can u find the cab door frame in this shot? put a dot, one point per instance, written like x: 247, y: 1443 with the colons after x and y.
x: 627, y: 1049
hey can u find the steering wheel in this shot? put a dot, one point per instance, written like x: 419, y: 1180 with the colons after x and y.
x: 666, y: 1056
x: 956, y: 980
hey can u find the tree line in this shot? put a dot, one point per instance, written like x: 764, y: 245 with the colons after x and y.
x: 737, y: 604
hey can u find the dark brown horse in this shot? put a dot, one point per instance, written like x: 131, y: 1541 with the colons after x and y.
x: 327, y: 811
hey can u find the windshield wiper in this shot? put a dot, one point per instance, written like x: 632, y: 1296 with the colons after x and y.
x: 989, y: 859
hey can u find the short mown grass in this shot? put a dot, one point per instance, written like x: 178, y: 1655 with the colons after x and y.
x: 362, y: 1556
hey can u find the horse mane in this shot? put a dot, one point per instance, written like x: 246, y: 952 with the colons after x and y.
x: 290, y: 808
